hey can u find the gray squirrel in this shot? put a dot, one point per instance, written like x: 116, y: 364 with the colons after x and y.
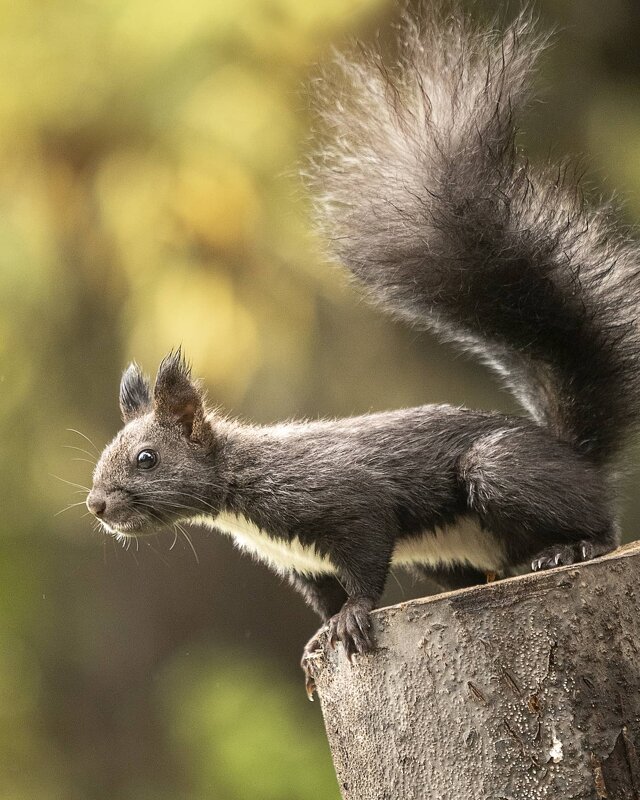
x: 424, y: 196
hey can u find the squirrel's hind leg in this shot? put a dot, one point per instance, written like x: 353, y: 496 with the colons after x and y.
x: 564, y: 555
x: 548, y: 505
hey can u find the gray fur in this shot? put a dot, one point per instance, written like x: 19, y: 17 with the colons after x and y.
x: 424, y: 195
x: 426, y: 199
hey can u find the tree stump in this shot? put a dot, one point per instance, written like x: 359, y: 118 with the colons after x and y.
x: 522, y: 689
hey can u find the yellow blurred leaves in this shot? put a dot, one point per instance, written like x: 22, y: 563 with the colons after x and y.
x: 216, y: 203
x: 202, y: 312
x: 134, y: 192
x: 158, y: 29
x: 174, y: 226
x: 245, y: 114
x: 150, y: 140
x: 203, y: 207
x: 287, y: 30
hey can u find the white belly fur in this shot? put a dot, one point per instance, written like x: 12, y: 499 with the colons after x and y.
x: 280, y: 555
x: 462, y: 543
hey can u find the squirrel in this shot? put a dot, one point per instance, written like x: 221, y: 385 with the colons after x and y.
x: 425, y: 197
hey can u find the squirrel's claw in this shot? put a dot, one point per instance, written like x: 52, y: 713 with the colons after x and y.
x: 352, y: 626
x: 312, y: 651
x: 564, y: 555
x: 310, y: 686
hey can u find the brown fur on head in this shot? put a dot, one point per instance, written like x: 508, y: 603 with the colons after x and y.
x: 161, y: 466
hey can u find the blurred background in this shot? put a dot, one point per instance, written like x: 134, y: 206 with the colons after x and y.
x: 149, y: 197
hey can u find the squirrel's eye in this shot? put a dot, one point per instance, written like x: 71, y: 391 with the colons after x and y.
x: 146, y: 459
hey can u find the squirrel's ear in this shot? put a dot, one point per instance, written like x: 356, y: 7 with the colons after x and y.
x: 135, y: 393
x: 177, y: 398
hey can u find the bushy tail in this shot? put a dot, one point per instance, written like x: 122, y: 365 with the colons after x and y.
x: 425, y: 197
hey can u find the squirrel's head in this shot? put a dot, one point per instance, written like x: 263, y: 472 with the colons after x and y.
x: 162, y: 464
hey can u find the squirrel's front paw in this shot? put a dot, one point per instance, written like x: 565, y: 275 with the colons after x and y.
x: 352, y: 626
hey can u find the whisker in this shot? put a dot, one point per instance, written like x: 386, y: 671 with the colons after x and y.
x: 71, y: 483
x: 188, y: 538
x: 158, y: 498
x: 71, y: 505
x: 149, y: 503
x: 73, y: 430
x: 165, y: 504
x: 156, y: 517
x: 80, y: 450
x: 400, y: 586
x: 165, y: 561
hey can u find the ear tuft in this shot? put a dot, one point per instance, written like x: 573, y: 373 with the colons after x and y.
x: 174, y: 367
x: 176, y: 398
x: 135, y: 393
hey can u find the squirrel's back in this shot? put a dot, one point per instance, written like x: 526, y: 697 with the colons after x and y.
x: 425, y: 197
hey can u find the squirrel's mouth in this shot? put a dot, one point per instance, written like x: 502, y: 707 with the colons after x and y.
x: 124, y: 530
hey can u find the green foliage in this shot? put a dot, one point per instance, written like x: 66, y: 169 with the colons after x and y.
x: 236, y: 725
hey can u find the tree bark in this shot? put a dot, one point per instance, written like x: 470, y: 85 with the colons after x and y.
x: 523, y: 689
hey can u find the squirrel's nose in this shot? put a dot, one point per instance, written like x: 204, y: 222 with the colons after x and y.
x: 96, y: 503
